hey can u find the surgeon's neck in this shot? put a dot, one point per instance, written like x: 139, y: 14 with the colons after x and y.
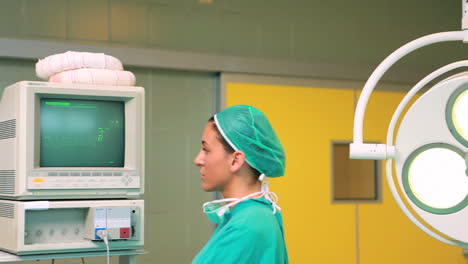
x: 240, y: 186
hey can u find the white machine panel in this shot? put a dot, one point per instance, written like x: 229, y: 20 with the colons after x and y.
x: 70, y: 226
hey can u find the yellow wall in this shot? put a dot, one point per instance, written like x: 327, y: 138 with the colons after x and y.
x: 307, y: 119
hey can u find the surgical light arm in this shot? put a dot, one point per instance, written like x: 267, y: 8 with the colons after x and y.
x: 360, y: 150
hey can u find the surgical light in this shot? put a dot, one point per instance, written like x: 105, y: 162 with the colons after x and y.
x: 430, y: 152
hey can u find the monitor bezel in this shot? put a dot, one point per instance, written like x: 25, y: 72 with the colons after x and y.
x: 134, y: 117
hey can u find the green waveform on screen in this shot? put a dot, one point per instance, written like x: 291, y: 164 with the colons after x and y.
x: 67, y: 104
x: 58, y: 103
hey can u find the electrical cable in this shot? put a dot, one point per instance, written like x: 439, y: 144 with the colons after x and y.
x: 104, y: 236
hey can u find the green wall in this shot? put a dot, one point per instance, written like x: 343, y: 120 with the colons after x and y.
x: 355, y: 33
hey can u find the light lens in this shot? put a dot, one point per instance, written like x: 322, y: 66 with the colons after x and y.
x: 460, y: 114
x: 437, y: 178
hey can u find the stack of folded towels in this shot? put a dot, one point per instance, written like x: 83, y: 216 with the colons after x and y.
x: 84, y: 67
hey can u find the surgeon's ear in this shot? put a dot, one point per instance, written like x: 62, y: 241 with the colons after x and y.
x: 238, y: 160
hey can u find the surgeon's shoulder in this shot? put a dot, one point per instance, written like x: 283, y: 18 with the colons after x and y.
x: 253, y: 215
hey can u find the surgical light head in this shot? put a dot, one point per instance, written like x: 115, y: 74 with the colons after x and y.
x: 431, y: 149
x: 247, y: 129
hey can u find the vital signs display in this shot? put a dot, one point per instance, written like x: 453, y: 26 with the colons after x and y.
x: 82, y: 133
x: 60, y: 141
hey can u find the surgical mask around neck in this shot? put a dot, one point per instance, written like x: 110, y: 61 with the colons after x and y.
x: 216, y: 211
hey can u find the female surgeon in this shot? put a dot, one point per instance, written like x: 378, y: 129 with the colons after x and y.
x: 239, y: 148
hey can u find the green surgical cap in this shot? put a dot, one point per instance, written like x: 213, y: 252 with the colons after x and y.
x: 247, y: 129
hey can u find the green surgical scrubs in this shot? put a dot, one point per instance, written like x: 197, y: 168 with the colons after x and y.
x: 250, y: 233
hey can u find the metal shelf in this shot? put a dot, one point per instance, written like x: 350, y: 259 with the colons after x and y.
x: 125, y: 256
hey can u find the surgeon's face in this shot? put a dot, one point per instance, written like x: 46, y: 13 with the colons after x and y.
x: 214, y: 161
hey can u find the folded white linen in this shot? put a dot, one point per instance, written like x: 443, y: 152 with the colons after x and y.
x: 95, y: 76
x: 72, y: 60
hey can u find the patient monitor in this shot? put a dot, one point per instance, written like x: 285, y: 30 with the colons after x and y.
x: 71, y: 141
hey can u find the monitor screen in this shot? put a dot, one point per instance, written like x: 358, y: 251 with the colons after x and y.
x: 81, y: 133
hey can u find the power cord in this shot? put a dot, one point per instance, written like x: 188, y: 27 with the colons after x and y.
x: 104, y: 236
